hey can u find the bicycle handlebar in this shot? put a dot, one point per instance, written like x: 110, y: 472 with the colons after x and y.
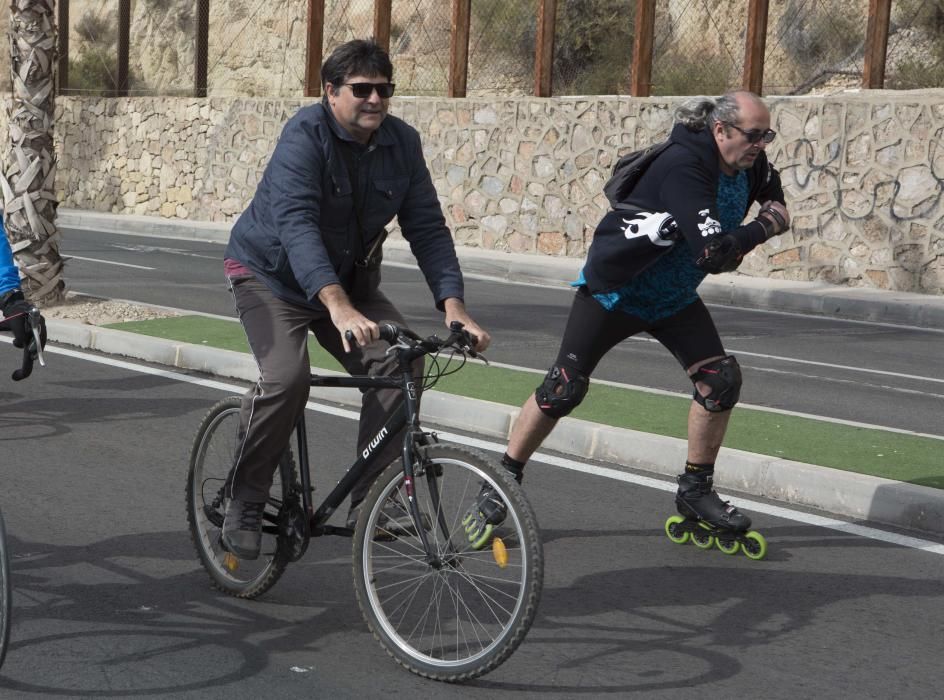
x: 32, y: 348
x: 459, y: 339
x: 399, y: 336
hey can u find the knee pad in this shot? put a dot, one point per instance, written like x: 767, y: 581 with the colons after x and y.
x: 562, y: 391
x: 723, y: 377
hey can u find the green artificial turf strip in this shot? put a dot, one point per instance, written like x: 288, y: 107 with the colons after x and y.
x: 866, y: 451
x: 213, y: 332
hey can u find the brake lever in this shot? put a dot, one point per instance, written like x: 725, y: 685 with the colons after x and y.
x: 34, y: 318
x: 462, y: 341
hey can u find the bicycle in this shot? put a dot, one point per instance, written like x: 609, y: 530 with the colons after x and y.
x: 32, y: 350
x: 439, y: 608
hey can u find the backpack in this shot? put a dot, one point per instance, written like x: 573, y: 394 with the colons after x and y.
x: 628, y: 171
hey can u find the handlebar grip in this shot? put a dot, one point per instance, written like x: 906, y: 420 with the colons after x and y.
x: 470, y: 340
x: 389, y: 332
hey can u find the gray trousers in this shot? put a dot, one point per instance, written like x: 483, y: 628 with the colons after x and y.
x: 278, y: 338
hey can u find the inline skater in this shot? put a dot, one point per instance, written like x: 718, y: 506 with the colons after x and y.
x: 681, y: 222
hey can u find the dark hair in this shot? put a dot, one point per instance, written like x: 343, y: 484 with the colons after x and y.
x: 357, y: 57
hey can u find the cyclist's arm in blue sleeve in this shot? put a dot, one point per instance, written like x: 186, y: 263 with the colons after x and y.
x: 9, y: 276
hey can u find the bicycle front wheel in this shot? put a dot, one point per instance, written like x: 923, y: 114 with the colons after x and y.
x: 6, y: 593
x: 211, y: 459
x: 455, y: 613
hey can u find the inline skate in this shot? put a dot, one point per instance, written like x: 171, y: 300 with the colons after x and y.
x: 707, y: 520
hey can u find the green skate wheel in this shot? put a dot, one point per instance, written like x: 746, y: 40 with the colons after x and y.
x: 755, y: 546
x: 674, y: 530
x: 702, y: 539
x: 728, y: 546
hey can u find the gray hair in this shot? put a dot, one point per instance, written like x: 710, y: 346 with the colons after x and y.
x: 701, y: 112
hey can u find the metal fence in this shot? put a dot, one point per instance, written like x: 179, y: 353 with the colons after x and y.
x: 916, y: 50
x: 420, y: 42
x: 816, y: 45
x: 698, y: 47
x: 260, y: 47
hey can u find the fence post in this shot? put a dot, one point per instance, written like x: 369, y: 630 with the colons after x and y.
x: 314, y: 48
x: 876, y: 44
x: 63, y: 35
x: 124, y: 40
x: 641, y: 84
x: 459, y: 47
x: 382, y: 9
x: 544, y: 49
x: 754, y: 45
x: 201, y: 49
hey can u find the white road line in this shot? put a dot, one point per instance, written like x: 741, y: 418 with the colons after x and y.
x: 108, y: 262
x: 648, y: 482
x: 169, y: 251
x: 856, y: 382
x: 845, y: 368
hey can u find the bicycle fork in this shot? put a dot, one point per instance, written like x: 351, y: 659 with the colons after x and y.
x: 411, y: 439
x: 434, y: 558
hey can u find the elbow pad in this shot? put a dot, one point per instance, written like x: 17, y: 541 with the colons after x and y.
x: 721, y: 254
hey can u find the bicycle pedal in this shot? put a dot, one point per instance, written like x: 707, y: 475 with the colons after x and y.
x: 334, y: 530
x: 213, y: 515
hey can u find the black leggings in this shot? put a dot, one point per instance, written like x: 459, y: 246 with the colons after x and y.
x: 690, y: 335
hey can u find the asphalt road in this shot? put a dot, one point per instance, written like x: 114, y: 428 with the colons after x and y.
x: 875, y: 374
x: 110, y: 601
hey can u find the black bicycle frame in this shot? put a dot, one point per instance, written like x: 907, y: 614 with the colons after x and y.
x: 405, y: 415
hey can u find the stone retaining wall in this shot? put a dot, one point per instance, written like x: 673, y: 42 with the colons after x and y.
x: 862, y: 171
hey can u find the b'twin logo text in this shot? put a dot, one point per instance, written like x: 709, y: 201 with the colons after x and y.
x: 373, y: 443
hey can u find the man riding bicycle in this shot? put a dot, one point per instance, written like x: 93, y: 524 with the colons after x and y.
x: 305, y: 255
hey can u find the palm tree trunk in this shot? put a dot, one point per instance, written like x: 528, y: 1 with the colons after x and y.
x: 29, y: 165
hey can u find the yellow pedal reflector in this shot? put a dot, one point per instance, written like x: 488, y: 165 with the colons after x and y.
x: 230, y: 561
x: 499, y: 552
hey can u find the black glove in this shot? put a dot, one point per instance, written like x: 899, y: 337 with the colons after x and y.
x: 18, y: 320
x: 722, y: 254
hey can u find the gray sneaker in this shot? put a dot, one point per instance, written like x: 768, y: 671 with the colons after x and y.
x: 242, y: 528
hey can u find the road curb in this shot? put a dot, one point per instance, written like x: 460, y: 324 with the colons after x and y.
x: 855, y: 496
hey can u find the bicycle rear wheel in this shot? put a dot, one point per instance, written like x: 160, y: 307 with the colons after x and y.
x: 6, y: 593
x: 463, y: 614
x: 211, y: 459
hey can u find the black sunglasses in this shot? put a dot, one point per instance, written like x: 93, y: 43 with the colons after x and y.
x: 755, y: 135
x: 362, y: 90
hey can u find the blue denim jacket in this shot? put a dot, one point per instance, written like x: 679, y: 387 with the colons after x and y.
x: 298, y: 234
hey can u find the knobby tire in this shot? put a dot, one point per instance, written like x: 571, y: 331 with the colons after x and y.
x: 211, y: 458
x: 466, y: 617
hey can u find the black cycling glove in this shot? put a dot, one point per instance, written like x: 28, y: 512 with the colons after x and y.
x: 16, y: 319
